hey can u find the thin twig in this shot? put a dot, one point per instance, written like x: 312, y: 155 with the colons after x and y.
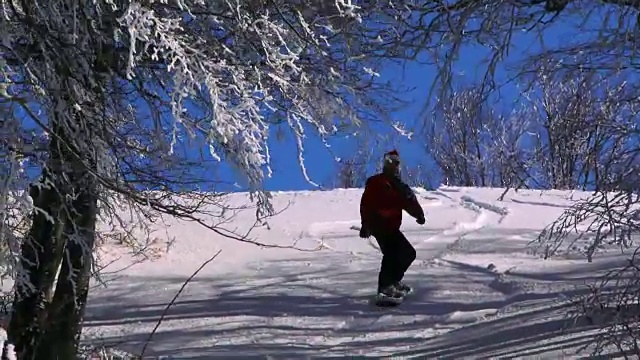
x: 166, y: 309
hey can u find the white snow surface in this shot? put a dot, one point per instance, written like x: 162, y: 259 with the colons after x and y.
x: 479, y: 291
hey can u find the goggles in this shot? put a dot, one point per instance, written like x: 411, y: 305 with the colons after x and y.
x: 392, y: 158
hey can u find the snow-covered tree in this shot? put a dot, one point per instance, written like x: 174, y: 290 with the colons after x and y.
x: 567, y: 115
x: 475, y: 144
x: 602, y: 39
x: 609, y: 162
x: 456, y: 138
x: 352, y: 172
x: 121, y: 94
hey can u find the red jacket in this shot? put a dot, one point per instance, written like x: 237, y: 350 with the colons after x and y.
x: 382, y: 203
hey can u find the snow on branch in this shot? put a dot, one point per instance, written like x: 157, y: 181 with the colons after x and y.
x: 253, y: 67
x: 113, y: 105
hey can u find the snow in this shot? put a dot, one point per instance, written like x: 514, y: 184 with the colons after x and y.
x: 479, y: 290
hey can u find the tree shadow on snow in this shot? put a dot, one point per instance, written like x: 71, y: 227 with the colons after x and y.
x: 525, y: 335
x: 286, y: 304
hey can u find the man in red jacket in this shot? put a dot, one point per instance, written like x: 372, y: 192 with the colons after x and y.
x: 385, y: 197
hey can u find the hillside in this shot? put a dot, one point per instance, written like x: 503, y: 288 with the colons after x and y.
x: 479, y: 292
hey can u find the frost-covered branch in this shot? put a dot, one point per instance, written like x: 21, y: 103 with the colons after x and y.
x: 139, y: 103
x: 472, y: 143
x: 612, y: 305
x: 609, y: 218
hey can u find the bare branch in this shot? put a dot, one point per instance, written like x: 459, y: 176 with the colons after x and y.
x: 175, y: 297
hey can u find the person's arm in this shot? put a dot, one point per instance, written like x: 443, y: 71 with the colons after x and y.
x: 411, y: 204
x: 369, y: 203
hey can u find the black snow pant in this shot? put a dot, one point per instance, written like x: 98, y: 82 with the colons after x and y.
x: 397, y: 255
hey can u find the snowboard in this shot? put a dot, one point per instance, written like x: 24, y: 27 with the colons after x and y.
x: 382, y: 302
x: 376, y: 301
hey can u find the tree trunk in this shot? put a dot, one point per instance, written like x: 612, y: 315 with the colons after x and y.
x: 41, y: 253
x: 63, y: 221
x: 66, y: 312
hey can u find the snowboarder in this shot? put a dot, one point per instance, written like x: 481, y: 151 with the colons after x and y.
x: 384, y: 198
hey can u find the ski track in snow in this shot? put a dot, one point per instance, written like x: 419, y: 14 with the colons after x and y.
x: 472, y: 272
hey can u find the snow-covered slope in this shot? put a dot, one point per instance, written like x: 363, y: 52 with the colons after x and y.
x: 478, y: 291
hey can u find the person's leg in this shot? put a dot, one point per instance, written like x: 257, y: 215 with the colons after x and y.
x: 388, y: 266
x: 405, y: 255
x: 386, y: 276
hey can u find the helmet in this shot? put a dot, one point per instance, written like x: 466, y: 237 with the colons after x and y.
x: 392, y: 157
x: 391, y: 163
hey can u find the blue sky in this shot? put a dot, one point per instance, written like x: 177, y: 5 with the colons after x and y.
x: 470, y: 68
x: 319, y: 162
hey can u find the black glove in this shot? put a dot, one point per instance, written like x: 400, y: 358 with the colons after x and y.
x: 421, y: 220
x: 364, y: 232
